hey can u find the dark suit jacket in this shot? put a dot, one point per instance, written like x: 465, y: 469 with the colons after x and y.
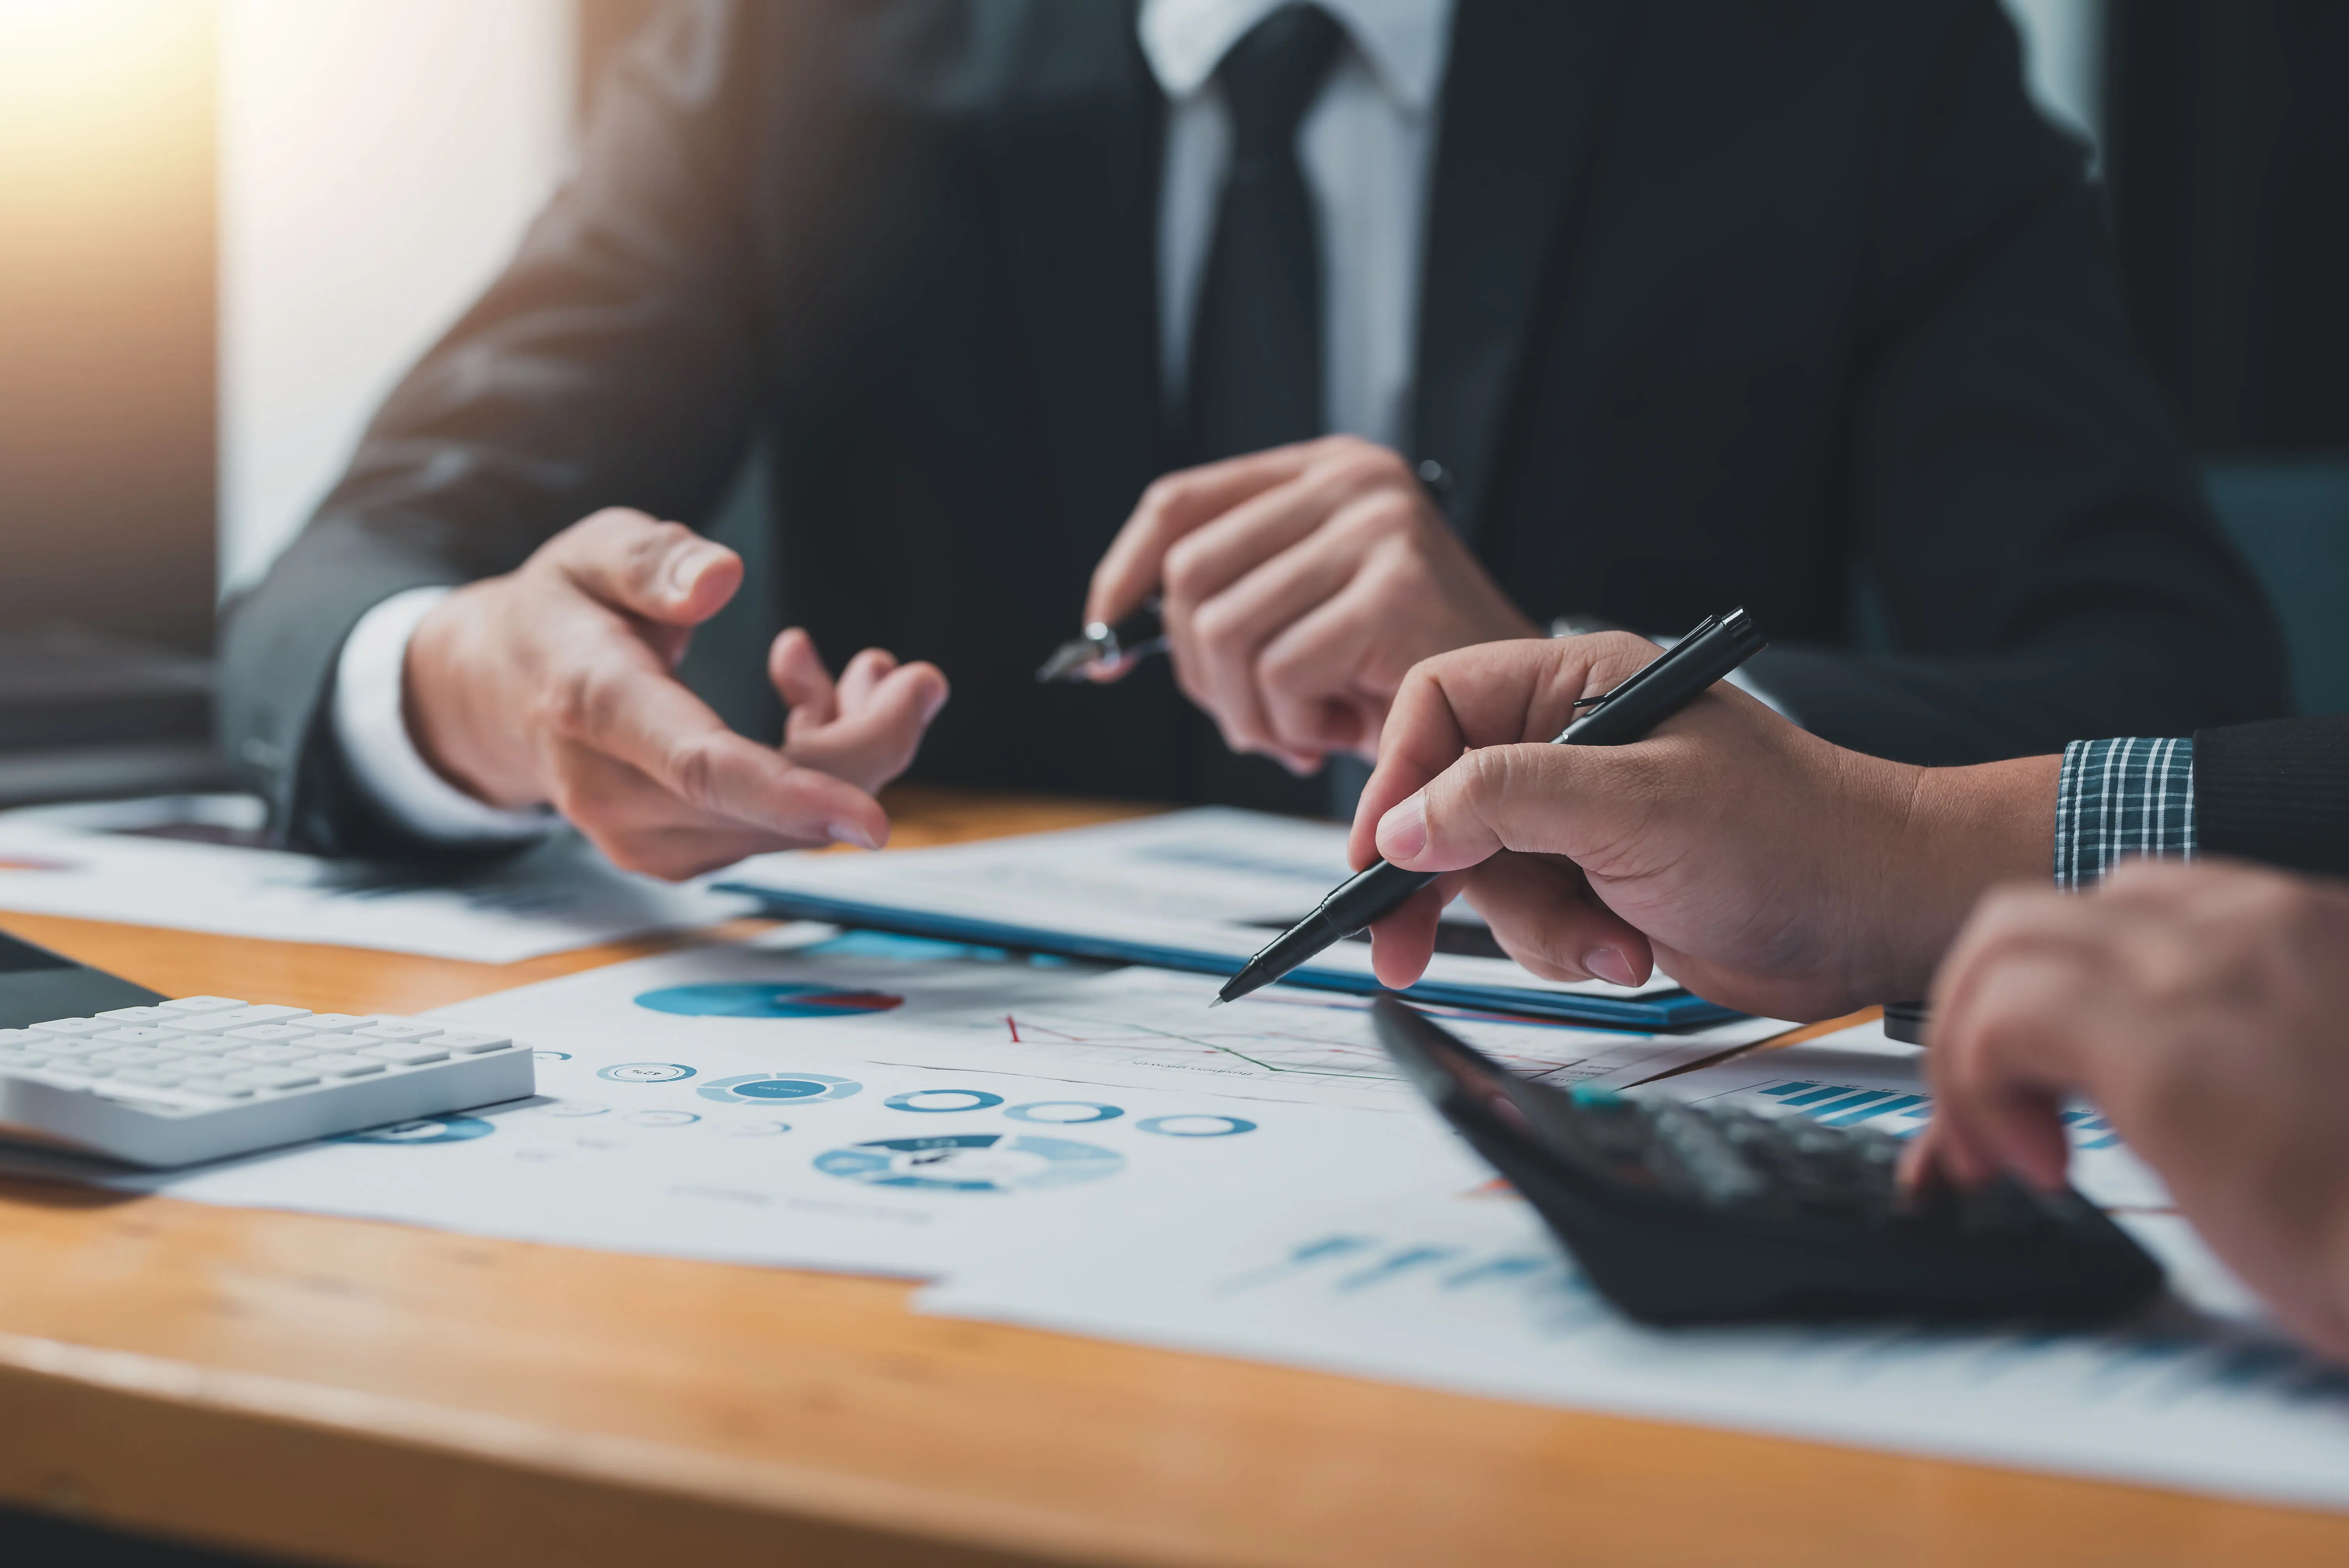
x: 1725, y: 302
x: 2276, y: 793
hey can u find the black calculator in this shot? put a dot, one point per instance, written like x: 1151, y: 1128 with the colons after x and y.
x: 1684, y: 1214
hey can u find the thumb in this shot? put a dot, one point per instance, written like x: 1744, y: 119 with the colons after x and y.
x: 1493, y: 798
x: 661, y: 572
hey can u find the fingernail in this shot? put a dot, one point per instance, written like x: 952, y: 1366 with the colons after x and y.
x: 1609, y: 963
x: 853, y: 834
x: 931, y: 708
x: 687, y: 565
x: 1403, y: 831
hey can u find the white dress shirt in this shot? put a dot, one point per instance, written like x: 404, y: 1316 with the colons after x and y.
x: 1366, y: 145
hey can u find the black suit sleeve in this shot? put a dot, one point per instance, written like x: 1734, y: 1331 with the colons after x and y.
x: 2275, y: 792
x: 2027, y: 517
x: 617, y: 362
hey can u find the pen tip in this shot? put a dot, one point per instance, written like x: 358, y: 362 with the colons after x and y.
x: 1216, y: 1002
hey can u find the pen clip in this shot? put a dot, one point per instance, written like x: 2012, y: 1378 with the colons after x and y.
x: 1699, y: 630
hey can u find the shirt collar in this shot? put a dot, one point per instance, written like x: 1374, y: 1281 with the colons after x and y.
x: 1403, y: 41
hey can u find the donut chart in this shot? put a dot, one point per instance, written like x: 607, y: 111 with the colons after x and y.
x: 775, y: 1088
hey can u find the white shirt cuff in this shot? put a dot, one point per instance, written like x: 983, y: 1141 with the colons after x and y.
x: 371, y: 727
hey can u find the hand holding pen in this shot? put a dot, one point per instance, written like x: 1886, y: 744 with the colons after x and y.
x: 1297, y: 586
x: 1605, y: 691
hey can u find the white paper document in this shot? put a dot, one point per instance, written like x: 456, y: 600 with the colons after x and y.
x: 1171, y: 890
x: 1461, y: 1287
x: 186, y: 862
x: 861, y: 1104
x: 1153, y: 1029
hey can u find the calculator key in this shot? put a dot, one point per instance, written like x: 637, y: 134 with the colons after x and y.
x: 209, y: 1045
x: 206, y: 1004
x: 73, y: 1026
x: 16, y: 1059
x: 244, y: 1016
x: 137, y: 1015
x: 72, y: 1045
x: 78, y: 1070
x: 131, y: 1056
x: 470, y: 1042
x: 194, y: 1068
x: 18, y: 1036
x: 400, y: 1029
x: 335, y: 1064
x: 138, y: 1034
x: 338, y: 1023
x: 196, y: 1024
x: 273, y: 1078
x: 407, y: 1055
x: 150, y: 1078
x: 270, y: 1056
x: 273, y: 1034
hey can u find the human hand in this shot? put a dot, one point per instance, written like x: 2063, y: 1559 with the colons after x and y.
x: 1762, y: 867
x: 1298, y: 585
x: 2205, y: 1010
x: 555, y: 683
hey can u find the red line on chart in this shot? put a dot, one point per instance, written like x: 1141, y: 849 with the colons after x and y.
x: 1013, y: 1025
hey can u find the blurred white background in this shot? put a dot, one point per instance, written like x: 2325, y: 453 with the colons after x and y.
x: 380, y: 160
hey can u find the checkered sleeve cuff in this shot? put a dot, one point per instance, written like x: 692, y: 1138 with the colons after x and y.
x: 2116, y: 798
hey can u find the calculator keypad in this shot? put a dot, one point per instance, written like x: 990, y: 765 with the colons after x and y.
x: 221, y: 1049
x: 1727, y: 1158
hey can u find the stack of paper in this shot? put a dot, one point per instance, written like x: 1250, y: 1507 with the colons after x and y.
x: 1199, y: 891
x: 194, y: 862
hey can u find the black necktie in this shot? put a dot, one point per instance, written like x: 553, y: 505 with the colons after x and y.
x: 1255, y: 344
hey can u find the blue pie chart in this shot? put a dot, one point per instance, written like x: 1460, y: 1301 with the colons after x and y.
x: 971, y: 1162
x: 768, y: 999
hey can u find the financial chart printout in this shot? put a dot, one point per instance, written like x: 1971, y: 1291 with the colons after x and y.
x: 858, y: 1104
x: 1148, y: 1027
x: 1460, y: 1287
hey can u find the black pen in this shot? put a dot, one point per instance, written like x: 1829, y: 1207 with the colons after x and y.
x: 1106, y: 646
x: 1718, y: 645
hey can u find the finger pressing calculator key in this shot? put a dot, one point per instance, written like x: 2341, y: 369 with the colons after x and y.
x: 201, y: 1077
x: 1687, y: 1214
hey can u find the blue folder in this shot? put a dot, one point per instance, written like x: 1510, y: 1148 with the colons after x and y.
x: 1663, y: 1010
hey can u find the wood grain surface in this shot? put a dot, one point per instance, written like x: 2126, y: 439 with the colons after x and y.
x: 339, y: 1391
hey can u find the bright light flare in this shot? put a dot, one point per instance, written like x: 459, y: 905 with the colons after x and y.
x: 83, y: 78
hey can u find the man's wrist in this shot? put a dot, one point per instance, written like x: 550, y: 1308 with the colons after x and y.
x: 1965, y: 831
x: 370, y: 726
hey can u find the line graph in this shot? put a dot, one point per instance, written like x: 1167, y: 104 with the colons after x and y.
x: 1312, y: 1037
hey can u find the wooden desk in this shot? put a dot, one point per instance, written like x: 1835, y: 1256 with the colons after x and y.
x: 350, y: 1392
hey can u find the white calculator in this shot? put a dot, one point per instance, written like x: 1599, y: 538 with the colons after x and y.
x: 204, y: 1077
